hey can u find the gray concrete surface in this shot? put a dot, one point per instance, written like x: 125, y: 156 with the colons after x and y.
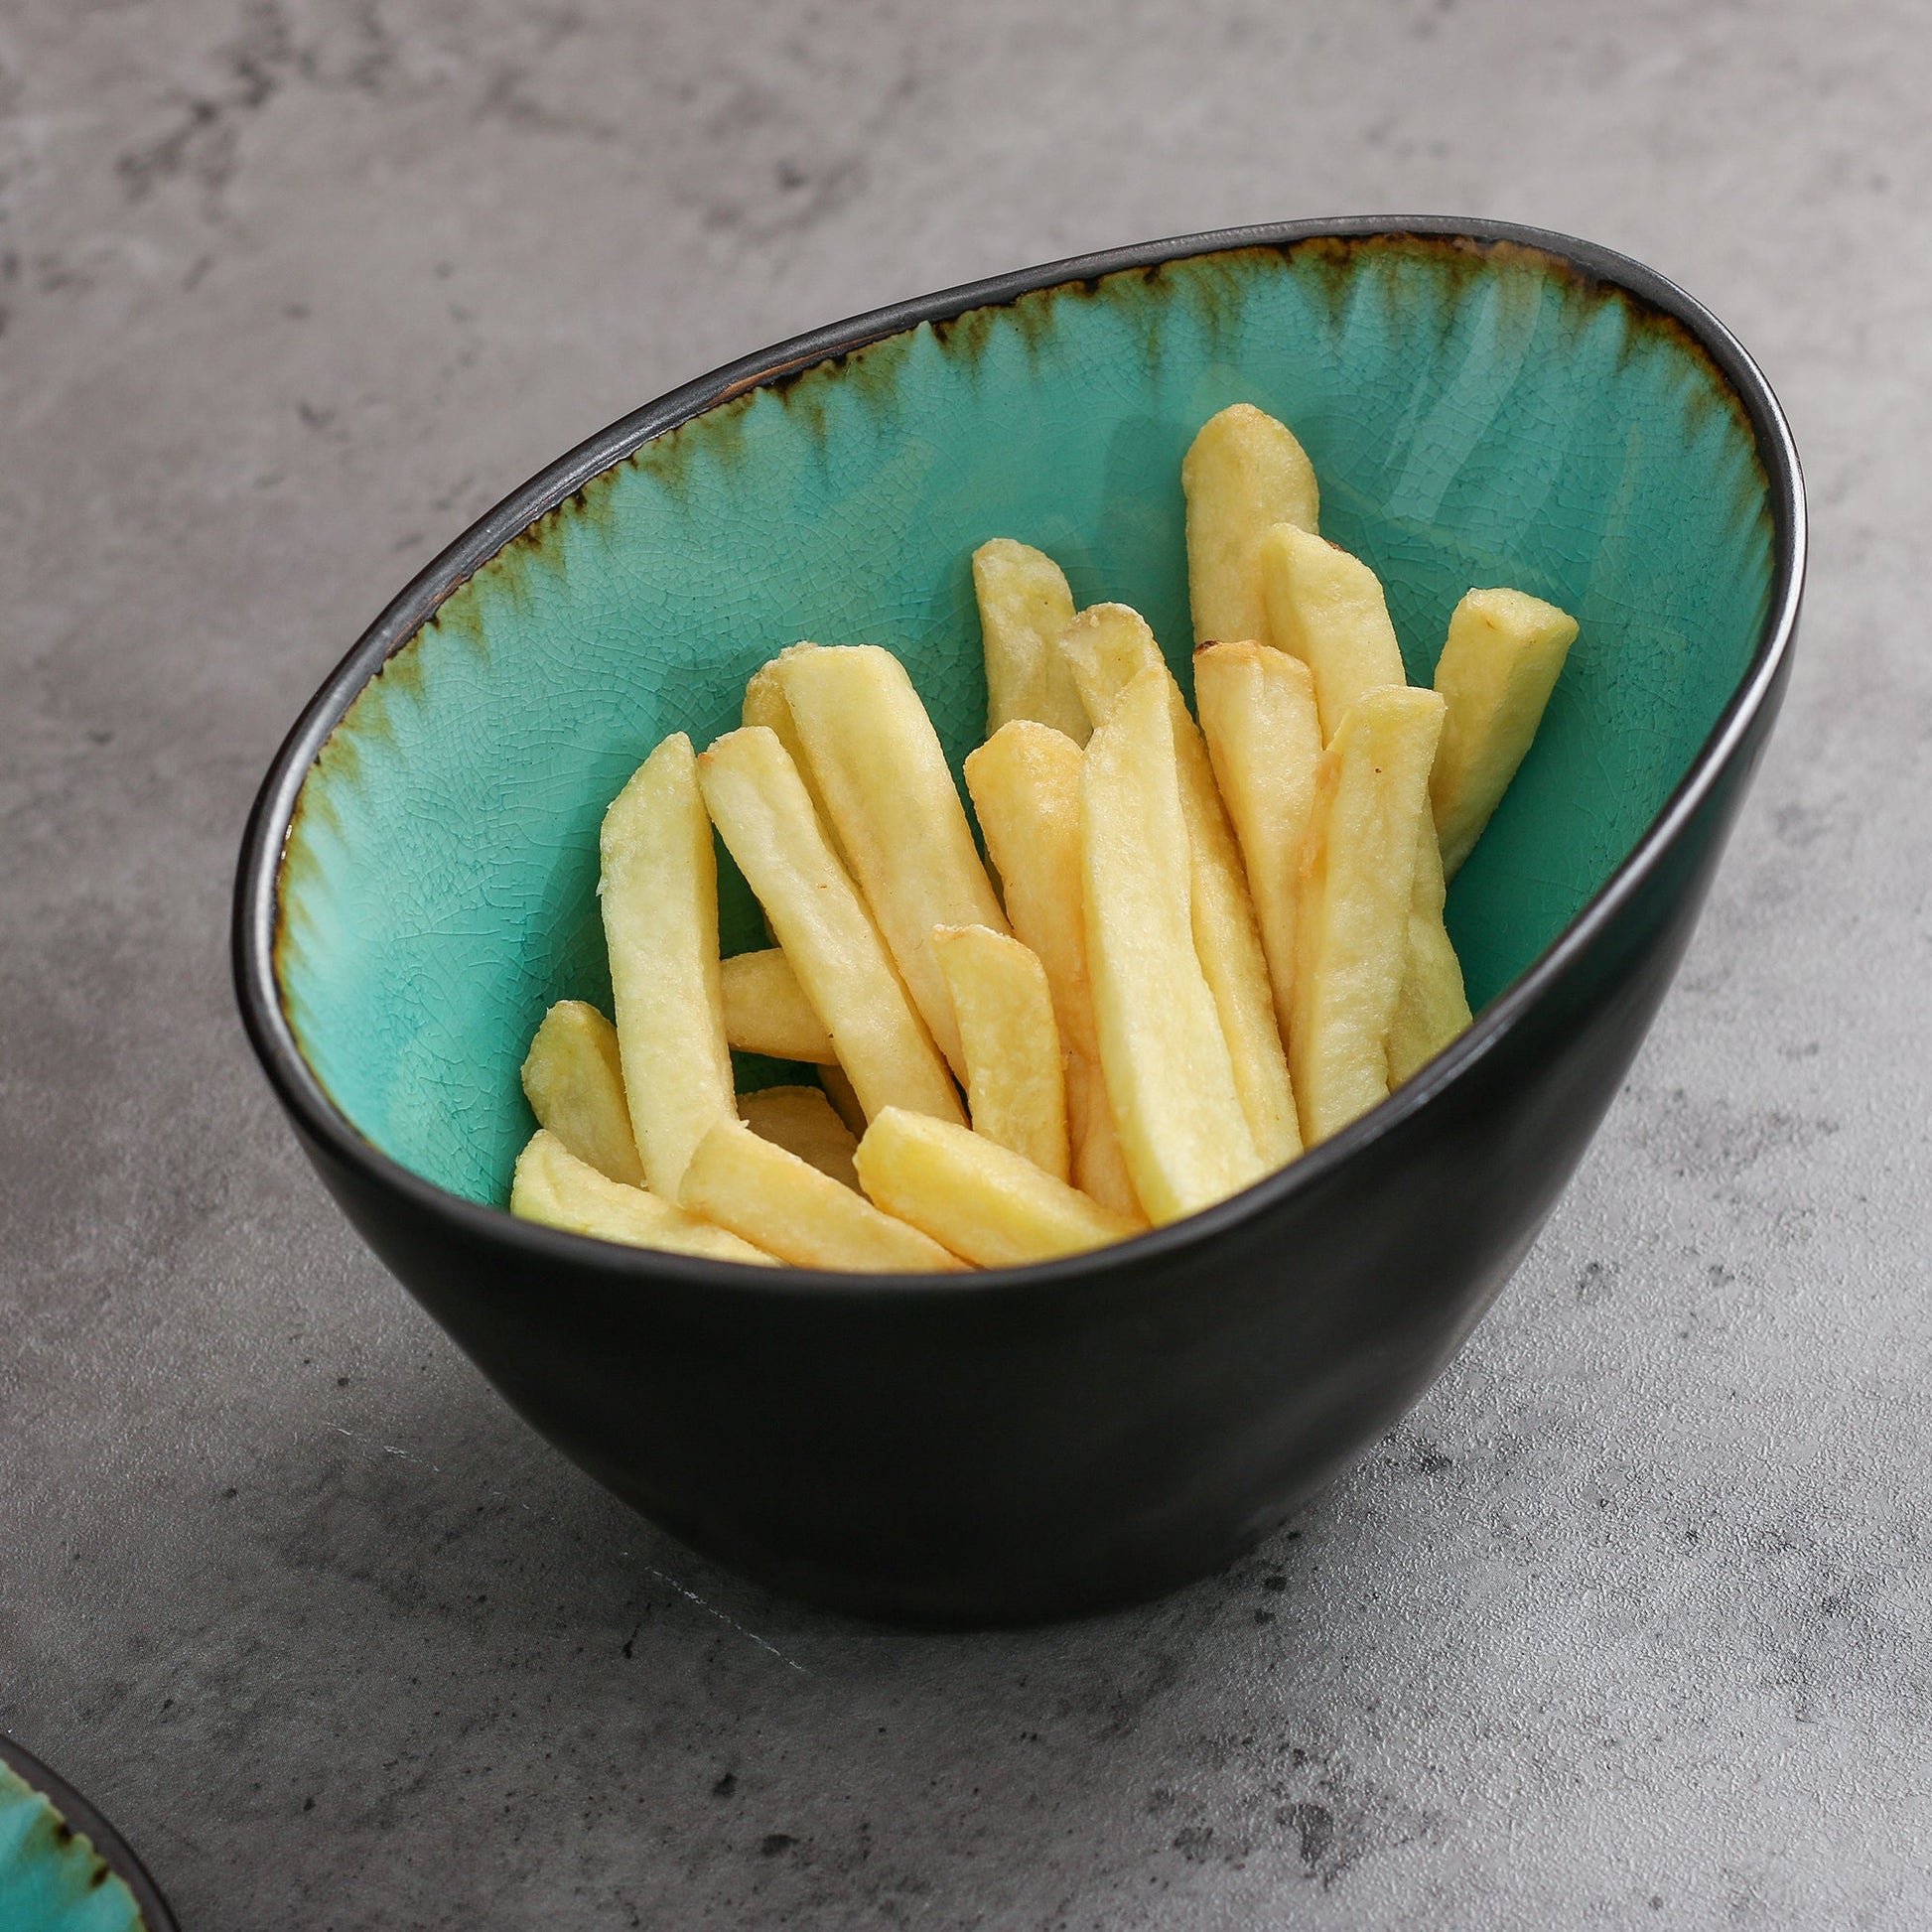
x: 1627, y: 1626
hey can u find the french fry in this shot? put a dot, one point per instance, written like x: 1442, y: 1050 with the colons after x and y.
x: 1258, y: 715
x: 1434, y: 1008
x: 879, y: 763
x: 978, y: 1198
x: 1504, y: 654
x: 1357, y: 887
x: 574, y: 1081
x: 554, y: 1187
x: 766, y: 1195
x: 1168, y: 1071
x: 1327, y: 607
x: 766, y: 1011
x: 1107, y: 645
x: 1244, y: 473
x: 1016, y: 1091
x: 760, y: 806
x: 659, y: 895
x: 1023, y: 606
x: 802, y: 1122
x: 840, y: 1091
x: 1026, y: 787
x: 764, y: 704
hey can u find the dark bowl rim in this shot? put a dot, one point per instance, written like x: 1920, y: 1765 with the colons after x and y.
x: 84, y: 1817
x: 257, y: 879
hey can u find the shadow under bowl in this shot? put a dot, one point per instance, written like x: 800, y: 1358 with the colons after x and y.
x: 1484, y: 405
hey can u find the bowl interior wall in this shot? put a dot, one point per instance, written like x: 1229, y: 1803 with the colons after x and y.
x: 1475, y: 419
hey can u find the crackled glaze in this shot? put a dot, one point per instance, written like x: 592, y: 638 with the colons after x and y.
x: 1477, y: 417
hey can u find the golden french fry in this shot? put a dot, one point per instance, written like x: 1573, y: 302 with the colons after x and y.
x: 1327, y: 607
x: 574, y: 1081
x: 981, y: 1199
x: 1015, y: 1092
x: 1026, y: 787
x: 801, y: 1121
x: 1107, y: 645
x: 1024, y: 605
x: 762, y: 810
x: 791, y: 1209
x: 555, y: 1188
x: 879, y: 763
x: 766, y: 1011
x: 1168, y: 1071
x: 1434, y: 1008
x: 659, y: 895
x: 1504, y: 654
x: 764, y: 704
x: 1258, y: 715
x: 844, y: 1097
x: 1244, y: 473
x: 1358, y: 874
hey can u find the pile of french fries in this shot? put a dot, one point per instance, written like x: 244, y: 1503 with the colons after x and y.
x: 1215, y: 940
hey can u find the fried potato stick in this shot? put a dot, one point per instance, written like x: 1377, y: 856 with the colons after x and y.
x: 556, y: 1188
x: 1357, y: 887
x: 879, y: 763
x: 658, y: 891
x: 1504, y: 654
x: 1107, y: 645
x: 1023, y: 606
x: 573, y: 1079
x: 1244, y: 473
x: 978, y: 1198
x: 1327, y: 607
x: 1258, y: 715
x: 762, y: 810
x: 1016, y: 1091
x: 1026, y: 787
x: 1168, y: 1071
x: 802, y: 1122
x: 1434, y: 1008
x: 768, y: 1196
x: 767, y: 1011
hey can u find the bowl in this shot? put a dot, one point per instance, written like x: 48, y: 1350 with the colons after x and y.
x: 1484, y: 404
x: 63, y: 1866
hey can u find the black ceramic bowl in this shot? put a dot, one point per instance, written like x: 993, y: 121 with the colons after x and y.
x: 1484, y: 405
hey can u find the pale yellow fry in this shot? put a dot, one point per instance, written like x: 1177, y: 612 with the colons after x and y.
x: 1244, y: 473
x: 1357, y: 886
x: 1026, y: 787
x: 1434, y: 1008
x: 791, y: 1209
x: 801, y: 1121
x: 1504, y: 654
x: 878, y: 763
x: 764, y: 704
x: 1023, y: 606
x: 1327, y: 607
x: 760, y: 806
x: 766, y: 1011
x: 659, y: 895
x: 1258, y: 715
x: 844, y: 1097
x: 574, y: 1080
x: 981, y: 1199
x: 1168, y: 1073
x: 1016, y: 1091
x: 1107, y: 645
x: 555, y: 1188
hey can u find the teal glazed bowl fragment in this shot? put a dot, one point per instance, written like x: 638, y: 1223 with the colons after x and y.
x: 1484, y: 405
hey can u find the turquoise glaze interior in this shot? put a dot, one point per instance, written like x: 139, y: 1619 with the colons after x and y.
x: 1477, y: 417
x: 51, y: 1879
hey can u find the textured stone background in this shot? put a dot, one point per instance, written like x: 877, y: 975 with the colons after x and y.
x: 1625, y: 1627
